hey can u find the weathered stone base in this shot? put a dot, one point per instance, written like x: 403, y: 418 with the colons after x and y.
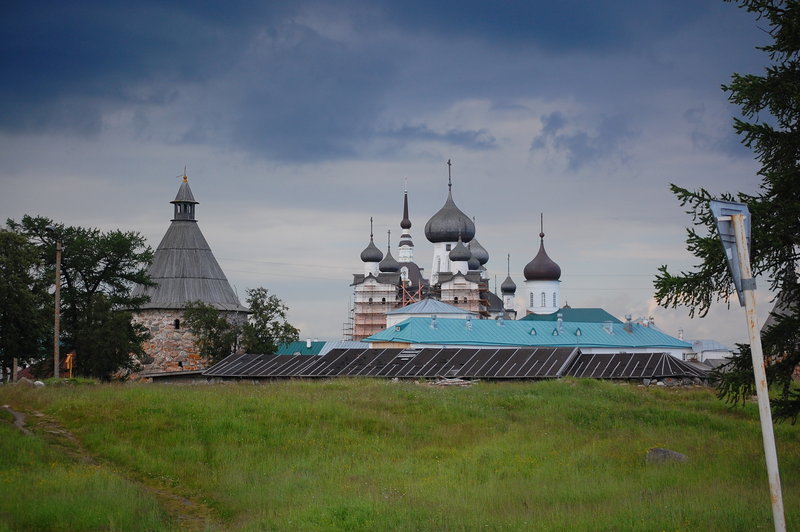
x: 169, y: 348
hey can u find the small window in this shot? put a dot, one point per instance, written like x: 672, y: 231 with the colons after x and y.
x: 383, y: 300
x: 544, y: 300
x: 554, y: 300
x: 455, y: 300
x: 177, y: 324
x: 447, y: 247
x: 531, y: 299
x: 369, y: 301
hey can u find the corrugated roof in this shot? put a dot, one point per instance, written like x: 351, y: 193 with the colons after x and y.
x: 709, y: 345
x: 466, y: 363
x: 430, y: 306
x: 632, y: 365
x: 525, y: 333
x: 595, y: 315
x: 503, y: 363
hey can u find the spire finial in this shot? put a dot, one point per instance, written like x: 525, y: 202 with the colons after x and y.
x: 509, y: 264
x: 184, y: 176
x: 370, y: 227
x: 449, y: 175
x: 405, y: 186
x: 541, y: 225
x: 389, y: 239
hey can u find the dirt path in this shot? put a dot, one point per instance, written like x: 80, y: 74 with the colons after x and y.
x: 184, y: 513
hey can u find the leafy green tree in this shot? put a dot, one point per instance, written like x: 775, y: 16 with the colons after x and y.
x: 216, y: 335
x: 98, y: 270
x: 220, y: 334
x: 266, y: 327
x: 26, y: 310
x: 770, y: 126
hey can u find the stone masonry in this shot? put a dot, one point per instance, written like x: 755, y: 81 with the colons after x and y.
x: 169, y: 348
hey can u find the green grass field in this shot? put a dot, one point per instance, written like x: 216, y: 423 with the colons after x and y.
x: 379, y: 455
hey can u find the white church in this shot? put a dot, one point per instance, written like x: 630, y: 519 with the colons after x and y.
x: 457, y: 276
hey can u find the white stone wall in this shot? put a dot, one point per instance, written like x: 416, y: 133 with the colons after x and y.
x: 552, y: 296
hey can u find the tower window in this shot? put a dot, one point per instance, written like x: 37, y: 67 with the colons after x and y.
x: 447, y: 247
x: 383, y: 300
x: 177, y: 324
x: 531, y: 299
x: 369, y: 301
x: 455, y: 300
x: 554, y: 300
x: 544, y: 300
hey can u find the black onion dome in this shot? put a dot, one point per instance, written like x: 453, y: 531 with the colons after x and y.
x: 371, y: 253
x: 478, y: 251
x: 460, y: 253
x: 542, y: 267
x: 473, y: 264
x: 388, y: 264
x: 448, y: 223
x: 509, y: 287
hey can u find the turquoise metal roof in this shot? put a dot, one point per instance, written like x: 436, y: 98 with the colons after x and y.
x: 299, y: 348
x: 525, y: 333
x: 594, y: 315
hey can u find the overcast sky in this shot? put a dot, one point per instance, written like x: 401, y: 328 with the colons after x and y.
x: 297, y: 121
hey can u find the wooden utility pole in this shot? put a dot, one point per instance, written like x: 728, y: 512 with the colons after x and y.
x: 762, y: 391
x: 57, y: 317
x: 733, y: 227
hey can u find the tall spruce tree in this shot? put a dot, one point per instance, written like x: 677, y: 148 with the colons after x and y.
x: 770, y: 126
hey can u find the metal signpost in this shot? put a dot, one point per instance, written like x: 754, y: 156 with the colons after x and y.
x: 733, y: 226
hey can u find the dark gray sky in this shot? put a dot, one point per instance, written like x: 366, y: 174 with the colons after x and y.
x: 297, y: 121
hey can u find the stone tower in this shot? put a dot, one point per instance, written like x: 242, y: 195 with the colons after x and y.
x: 185, y: 270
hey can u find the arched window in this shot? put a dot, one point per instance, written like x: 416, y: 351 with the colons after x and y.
x: 455, y: 300
x: 383, y: 300
x: 531, y: 299
x: 369, y: 301
x: 544, y: 300
x: 177, y: 323
x: 555, y: 304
